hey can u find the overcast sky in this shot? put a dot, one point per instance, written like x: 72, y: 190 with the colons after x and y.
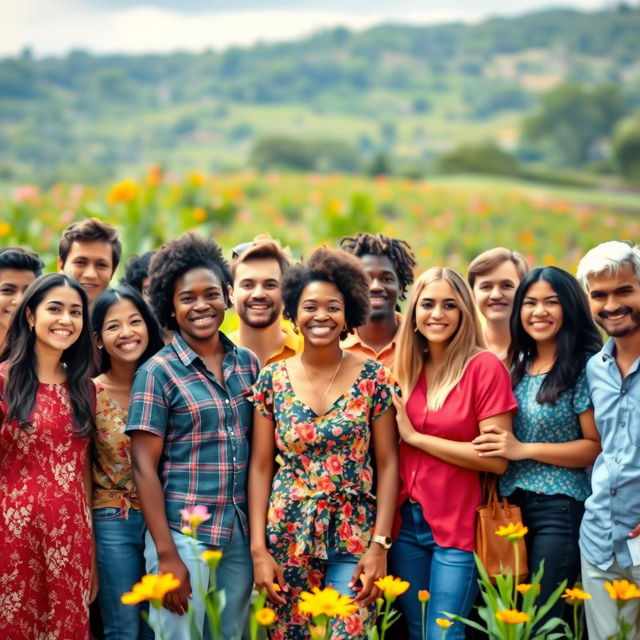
x: 133, y: 26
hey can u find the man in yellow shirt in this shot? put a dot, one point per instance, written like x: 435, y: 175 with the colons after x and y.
x: 389, y: 263
x: 257, y: 269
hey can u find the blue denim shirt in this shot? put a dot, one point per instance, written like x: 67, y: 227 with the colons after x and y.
x: 613, y: 509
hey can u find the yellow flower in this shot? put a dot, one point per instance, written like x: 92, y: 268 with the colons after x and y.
x: 525, y: 588
x: 327, y: 602
x: 513, y: 531
x: 122, y: 192
x: 622, y: 590
x: 575, y: 595
x: 423, y: 595
x: 187, y: 531
x: 512, y: 616
x: 152, y: 588
x: 392, y: 587
x: 197, y: 178
x: 199, y: 214
x: 265, y: 616
x: 212, y: 558
x: 443, y: 623
x: 154, y: 175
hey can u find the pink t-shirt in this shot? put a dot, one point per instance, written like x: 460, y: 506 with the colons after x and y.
x: 447, y: 493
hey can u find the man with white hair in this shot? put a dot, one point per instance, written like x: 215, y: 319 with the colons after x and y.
x: 610, y: 531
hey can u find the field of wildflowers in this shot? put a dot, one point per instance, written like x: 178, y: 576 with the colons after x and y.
x: 445, y: 221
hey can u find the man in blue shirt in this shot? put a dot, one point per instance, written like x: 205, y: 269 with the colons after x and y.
x: 610, y: 531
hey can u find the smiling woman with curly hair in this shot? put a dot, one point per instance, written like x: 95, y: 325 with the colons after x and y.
x: 330, y: 416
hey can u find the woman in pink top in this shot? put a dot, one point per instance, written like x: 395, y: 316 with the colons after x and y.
x: 453, y: 389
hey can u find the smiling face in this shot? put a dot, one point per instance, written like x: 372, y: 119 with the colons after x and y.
x: 384, y: 286
x: 91, y: 264
x: 257, y: 292
x: 13, y: 284
x: 495, y: 290
x: 541, y: 313
x: 320, y: 315
x: 437, y: 313
x: 614, y: 300
x: 57, y: 321
x: 199, y: 304
x: 124, y: 334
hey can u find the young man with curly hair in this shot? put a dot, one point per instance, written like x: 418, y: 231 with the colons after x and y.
x: 389, y: 264
x: 189, y: 421
x: 258, y: 269
x: 89, y: 252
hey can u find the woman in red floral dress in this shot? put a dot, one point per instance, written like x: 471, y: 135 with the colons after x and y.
x: 46, y: 420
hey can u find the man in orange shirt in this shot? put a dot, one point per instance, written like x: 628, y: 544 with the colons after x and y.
x: 257, y: 269
x: 389, y: 263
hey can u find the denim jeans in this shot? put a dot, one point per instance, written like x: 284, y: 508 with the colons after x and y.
x: 449, y: 574
x: 234, y: 576
x: 120, y: 556
x: 339, y: 569
x: 554, y: 526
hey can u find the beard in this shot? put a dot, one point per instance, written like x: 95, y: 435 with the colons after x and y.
x: 245, y: 316
x: 621, y: 331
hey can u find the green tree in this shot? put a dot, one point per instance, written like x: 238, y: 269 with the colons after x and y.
x: 485, y: 157
x: 626, y: 148
x: 572, y: 117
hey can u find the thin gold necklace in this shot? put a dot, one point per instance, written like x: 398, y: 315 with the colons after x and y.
x: 333, y: 377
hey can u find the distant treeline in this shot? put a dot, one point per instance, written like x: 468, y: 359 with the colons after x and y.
x: 94, y: 114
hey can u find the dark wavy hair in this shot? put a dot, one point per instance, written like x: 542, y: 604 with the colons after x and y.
x: 102, y: 305
x: 173, y: 260
x: 398, y: 251
x: 577, y: 340
x: 21, y: 260
x: 339, y: 268
x: 136, y: 270
x: 21, y: 383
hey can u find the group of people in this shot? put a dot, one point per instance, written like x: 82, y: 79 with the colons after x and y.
x: 331, y: 438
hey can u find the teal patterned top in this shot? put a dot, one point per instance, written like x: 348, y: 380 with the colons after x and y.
x: 547, y: 422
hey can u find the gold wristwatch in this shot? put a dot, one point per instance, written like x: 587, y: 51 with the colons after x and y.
x: 384, y: 541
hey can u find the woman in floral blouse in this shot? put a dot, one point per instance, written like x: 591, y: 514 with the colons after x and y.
x: 127, y: 335
x: 554, y: 433
x: 330, y: 417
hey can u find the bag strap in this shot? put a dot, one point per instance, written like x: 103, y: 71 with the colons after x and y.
x: 489, y: 486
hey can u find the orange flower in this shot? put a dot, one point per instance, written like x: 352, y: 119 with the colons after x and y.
x: 443, y: 623
x: 423, y: 595
x: 122, y: 192
x: 622, y: 590
x: 265, y: 616
x: 199, y: 214
x: 5, y: 228
x: 392, y: 587
x: 575, y: 595
x: 512, y: 616
x: 513, y: 531
x: 152, y: 588
x: 525, y: 588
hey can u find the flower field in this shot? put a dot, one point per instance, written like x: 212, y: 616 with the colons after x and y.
x: 446, y: 221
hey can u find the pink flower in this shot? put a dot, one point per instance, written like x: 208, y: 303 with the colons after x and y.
x: 344, y: 530
x: 367, y: 387
x: 305, y: 431
x: 355, y: 545
x: 333, y: 464
x: 353, y: 625
x: 195, y: 516
x: 325, y: 484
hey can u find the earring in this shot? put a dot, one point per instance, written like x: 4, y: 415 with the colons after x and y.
x: 31, y: 327
x: 415, y: 329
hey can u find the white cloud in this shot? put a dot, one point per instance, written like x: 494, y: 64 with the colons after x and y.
x: 56, y: 26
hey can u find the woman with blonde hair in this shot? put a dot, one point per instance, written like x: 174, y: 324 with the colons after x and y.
x: 453, y: 390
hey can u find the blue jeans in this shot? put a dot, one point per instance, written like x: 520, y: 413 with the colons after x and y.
x: 234, y: 576
x: 339, y: 569
x: 449, y: 574
x: 554, y: 527
x: 120, y: 556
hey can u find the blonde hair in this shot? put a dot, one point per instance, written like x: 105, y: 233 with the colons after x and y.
x: 412, y: 348
x: 263, y: 246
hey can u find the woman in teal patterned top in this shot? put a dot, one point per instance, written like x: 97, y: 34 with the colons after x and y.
x: 554, y: 434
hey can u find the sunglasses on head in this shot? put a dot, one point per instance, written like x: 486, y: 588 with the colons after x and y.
x: 239, y: 249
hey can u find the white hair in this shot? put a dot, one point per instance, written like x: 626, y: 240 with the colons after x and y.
x: 610, y: 257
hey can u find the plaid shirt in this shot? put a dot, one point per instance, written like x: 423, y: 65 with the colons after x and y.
x: 206, y: 430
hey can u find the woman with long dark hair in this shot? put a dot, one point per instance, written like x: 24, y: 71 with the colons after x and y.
x: 127, y: 335
x: 554, y: 434
x: 46, y: 424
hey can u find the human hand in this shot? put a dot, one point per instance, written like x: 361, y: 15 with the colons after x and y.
x: 495, y: 442
x: 268, y: 575
x: 372, y: 565
x: 405, y: 428
x: 177, y: 601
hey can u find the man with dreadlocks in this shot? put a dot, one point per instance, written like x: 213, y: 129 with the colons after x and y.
x: 389, y: 264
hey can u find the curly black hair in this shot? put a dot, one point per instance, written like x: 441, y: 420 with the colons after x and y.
x: 175, y: 258
x: 338, y: 268
x: 398, y: 251
x: 136, y: 270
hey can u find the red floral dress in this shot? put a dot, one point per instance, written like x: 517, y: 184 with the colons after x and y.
x: 321, y: 495
x: 45, y: 523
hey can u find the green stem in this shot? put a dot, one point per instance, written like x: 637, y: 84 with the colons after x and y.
x: 516, y: 574
x: 575, y: 621
x: 423, y: 605
x: 385, y: 624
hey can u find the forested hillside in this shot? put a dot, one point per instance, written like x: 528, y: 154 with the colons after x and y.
x: 410, y: 93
